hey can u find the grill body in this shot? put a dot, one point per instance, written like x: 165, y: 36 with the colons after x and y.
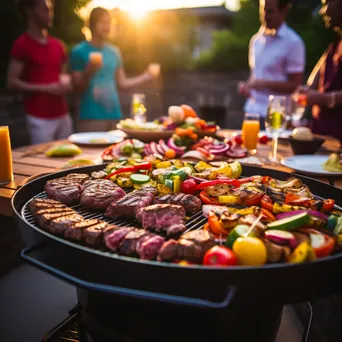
x: 156, y: 299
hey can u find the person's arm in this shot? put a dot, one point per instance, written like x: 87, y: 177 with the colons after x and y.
x: 295, y: 66
x: 126, y: 83
x: 14, y: 81
x: 326, y: 99
x: 81, y: 80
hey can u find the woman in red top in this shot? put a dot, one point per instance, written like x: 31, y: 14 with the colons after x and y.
x: 36, y: 68
x: 324, y: 91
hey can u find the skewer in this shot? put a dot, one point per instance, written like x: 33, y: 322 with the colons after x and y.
x: 253, y: 225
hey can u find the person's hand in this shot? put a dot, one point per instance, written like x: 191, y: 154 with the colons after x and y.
x: 92, y: 68
x: 244, y: 89
x: 58, y: 88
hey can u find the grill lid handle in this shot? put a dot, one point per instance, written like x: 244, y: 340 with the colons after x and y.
x: 132, y: 293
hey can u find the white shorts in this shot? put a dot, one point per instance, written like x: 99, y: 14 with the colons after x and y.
x: 46, y: 130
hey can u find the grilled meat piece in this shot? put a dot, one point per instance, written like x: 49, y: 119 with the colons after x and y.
x: 59, y: 224
x: 191, y: 246
x: 76, y: 230
x: 94, y: 235
x: 191, y: 203
x: 44, y: 218
x: 114, y: 240
x: 167, y: 218
x: 276, y: 253
x: 66, y: 189
x: 128, y: 246
x: 149, y: 246
x: 128, y: 206
x: 98, y: 194
x: 44, y: 203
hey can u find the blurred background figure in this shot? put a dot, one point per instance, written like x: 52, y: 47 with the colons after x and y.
x: 36, y: 68
x: 324, y: 90
x: 276, y: 58
x: 97, y: 72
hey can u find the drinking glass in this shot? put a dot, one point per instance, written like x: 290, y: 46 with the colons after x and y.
x: 6, y: 169
x: 250, y: 131
x: 138, y: 110
x: 275, y: 122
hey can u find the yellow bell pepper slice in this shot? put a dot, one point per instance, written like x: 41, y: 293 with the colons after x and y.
x: 232, y: 200
x: 177, y: 185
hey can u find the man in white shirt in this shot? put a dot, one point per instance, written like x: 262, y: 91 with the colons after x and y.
x: 276, y: 58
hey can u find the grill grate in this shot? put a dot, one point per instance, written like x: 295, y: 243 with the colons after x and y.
x: 195, y: 222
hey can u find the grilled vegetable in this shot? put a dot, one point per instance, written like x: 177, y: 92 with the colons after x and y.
x: 215, y: 225
x: 284, y: 208
x: 302, y: 253
x: 177, y: 185
x: 139, y: 178
x: 63, y: 150
x: 322, y: 244
x: 169, y: 183
x: 205, y: 198
x: 332, y: 222
x: 219, y: 256
x: 124, y: 182
x: 250, y: 251
x: 276, y: 253
x: 290, y: 223
x: 237, y: 232
x: 231, y: 200
x: 163, y: 189
x: 229, y: 220
x: 163, y: 165
x: 189, y: 186
x: 281, y: 237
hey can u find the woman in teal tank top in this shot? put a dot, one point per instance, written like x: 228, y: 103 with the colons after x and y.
x: 97, y: 73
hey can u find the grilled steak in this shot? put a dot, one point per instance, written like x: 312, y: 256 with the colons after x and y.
x: 191, y: 246
x: 130, y: 204
x: 129, y: 245
x: 114, y: 240
x: 94, y: 235
x: 45, y: 217
x: 40, y: 203
x: 166, y: 218
x: 98, y: 194
x: 76, y: 230
x: 191, y: 203
x: 66, y: 189
x: 59, y: 225
x: 149, y: 246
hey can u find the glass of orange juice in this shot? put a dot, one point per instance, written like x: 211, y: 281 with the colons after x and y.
x: 6, y: 169
x: 96, y: 58
x: 250, y: 131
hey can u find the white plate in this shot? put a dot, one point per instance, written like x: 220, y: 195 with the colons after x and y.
x: 97, y: 138
x: 309, y: 164
x: 284, y: 134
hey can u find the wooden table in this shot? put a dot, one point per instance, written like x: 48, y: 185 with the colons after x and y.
x: 31, y: 161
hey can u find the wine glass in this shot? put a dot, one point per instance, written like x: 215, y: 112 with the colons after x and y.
x: 275, y: 122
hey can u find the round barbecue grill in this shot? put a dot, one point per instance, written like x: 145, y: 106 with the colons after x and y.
x: 157, y: 301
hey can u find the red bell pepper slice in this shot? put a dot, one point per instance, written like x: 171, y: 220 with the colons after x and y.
x: 205, y: 198
x: 267, y: 215
x: 133, y: 168
x: 328, y: 205
x: 254, y: 200
x: 290, y: 198
x: 266, y: 179
x: 267, y: 203
x: 216, y: 182
x: 326, y: 248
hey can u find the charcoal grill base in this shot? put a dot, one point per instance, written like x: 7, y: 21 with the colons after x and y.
x: 154, y: 322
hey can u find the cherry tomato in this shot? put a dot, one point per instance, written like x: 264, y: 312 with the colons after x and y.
x: 263, y: 139
x: 189, y: 186
x: 219, y: 256
x: 328, y: 205
x: 238, y: 139
x: 170, y: 154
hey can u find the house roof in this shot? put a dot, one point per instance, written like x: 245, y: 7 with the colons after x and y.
x: 208, y: 11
